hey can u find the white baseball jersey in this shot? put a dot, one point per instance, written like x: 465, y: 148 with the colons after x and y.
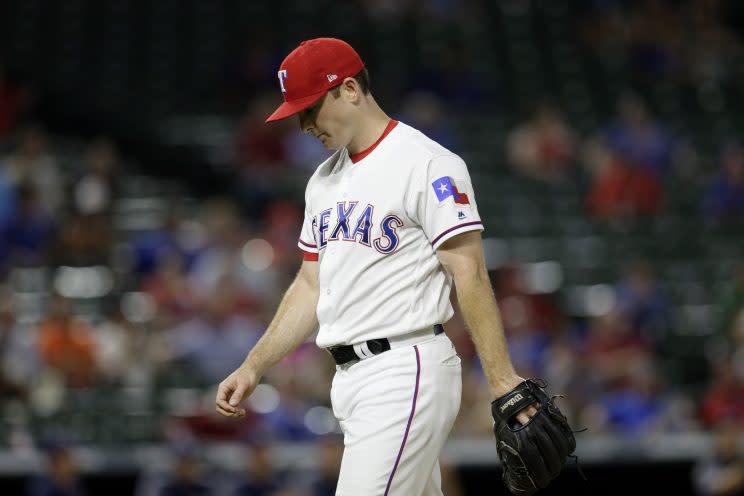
x: 374, y: 221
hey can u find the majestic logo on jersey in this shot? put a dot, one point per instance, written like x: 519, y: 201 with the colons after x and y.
x: 444, y: 187
x: 461, y: 215
x: 357, y: 227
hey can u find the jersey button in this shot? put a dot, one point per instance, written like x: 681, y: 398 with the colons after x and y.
x: 328, y: 291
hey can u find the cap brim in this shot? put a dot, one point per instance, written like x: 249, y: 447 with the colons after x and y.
x: 288, y: 109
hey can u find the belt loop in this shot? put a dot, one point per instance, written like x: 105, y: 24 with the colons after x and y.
x: 362, y: 350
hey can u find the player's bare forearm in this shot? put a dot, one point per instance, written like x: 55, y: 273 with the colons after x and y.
x: 293, y: 323
x: 295, y: 320
x: 462, y: 256
x: 481, y: 314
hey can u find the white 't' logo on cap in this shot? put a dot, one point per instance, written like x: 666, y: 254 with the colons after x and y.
x: 282, y: 76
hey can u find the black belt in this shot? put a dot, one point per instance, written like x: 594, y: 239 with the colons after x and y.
x: 345, y: 354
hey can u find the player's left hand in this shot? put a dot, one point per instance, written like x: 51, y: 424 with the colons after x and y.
x: 525, y: 415
x: 533, y: 437
x: 508, y: 385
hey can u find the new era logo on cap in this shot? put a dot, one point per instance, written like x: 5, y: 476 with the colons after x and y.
x: 310, y: 70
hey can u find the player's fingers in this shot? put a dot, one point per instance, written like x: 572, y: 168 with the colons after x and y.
x: 238, y: 394
x: 223, y: 407
x: 237, y: 413
x: 222, y: 392
x: 523, y: 418
x: 525, y: 415
x: 222, y: 411
x: 221, y: 401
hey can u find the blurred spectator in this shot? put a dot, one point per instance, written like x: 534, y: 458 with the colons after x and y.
x: 172, y: 291
x: 13, y: 101
x: 724, y: 199
x: 253, y: 69
x: 721, y: 473
x: 261, y: 476
x: 425, y: 112
x: 661, y: 40
x: 225, y: 240
x: 527, y: 343
x: 633, y: 406
x: 258, y: 146
x: 474, y: 418
x: 231, y: 255
x: 27, y: 237
x: 195, y: 419
x: 637, y: 139
x: 151, y: 248
x: 620, y: 191
x: 613, y: 350
x: 541, y: 310
x: 19, y: 362
x: 34, y: 164
x: 94, y: 190
x: 565, y: 371
x: 451, y: 76
x: 329, y: 465
x: 261, y: 158
x: 731, y: 301
x: 213, y: 342
x: 543, y: 147
x: 723, y: 402
x: 186, y: 477
x: 287, y: 420
x: 642, y: 302
x: 61, y: 478
x: 304, y: 152
x: 7, y: 200
x: 66, y: 344
x: 83, y: 240
x: 119, y: 348
x: 281, y: 223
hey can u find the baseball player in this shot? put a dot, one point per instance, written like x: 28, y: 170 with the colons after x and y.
x: 390, y: 223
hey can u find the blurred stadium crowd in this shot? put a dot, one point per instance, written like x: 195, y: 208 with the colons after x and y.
x: 613, y: 234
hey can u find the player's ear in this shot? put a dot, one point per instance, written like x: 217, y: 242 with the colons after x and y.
x: 350, y: 90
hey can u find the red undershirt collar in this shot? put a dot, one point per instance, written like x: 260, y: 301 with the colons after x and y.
x: 356, y: 157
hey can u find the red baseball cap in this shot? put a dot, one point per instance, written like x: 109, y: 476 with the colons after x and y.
x: 310, y: 70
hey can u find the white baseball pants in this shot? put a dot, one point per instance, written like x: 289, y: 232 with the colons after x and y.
x: 396, y: 410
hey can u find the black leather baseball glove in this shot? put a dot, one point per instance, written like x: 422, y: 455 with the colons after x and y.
x: 532, y: 454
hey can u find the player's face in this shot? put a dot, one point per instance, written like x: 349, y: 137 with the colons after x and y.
x: 324, y: 119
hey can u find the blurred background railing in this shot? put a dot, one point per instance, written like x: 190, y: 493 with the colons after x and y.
x: 149, y: 222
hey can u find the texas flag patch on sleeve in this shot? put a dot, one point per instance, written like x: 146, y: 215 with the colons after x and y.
x: 444, y: 187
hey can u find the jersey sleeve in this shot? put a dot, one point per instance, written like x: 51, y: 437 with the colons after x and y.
x: 307, y: 243
x: 446, y: 207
